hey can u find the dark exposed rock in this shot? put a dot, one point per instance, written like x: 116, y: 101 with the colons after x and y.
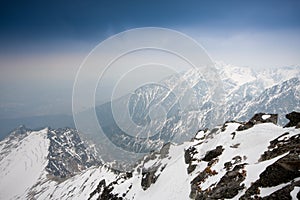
x: 245, y: 126
x: 227, y: 165
x: 280, y: 146
x: 148, y: 177
x: 191, y: 168
x: 233, y: 135
x: 105, y: 191
x: 195, y: 182
x: 229, y: 185
x: 212, y: 162
x: 107, y: 194
x: 291, y: 162
x: 213, y: 153
x: 151, y: 156
x: 195, y: 189
x: 99, y: 188
x: 294, y: 118
x: 68, y: 154
x: 283, y: 193
x: 223, y: 128
x: 274, y: 175
x: 235, y: 145
x: 128, y: 175
x: 237, y: 159
x: 257, y: 119
x: 164, y: 151
x: 188, y: 154
x: 188, y: 158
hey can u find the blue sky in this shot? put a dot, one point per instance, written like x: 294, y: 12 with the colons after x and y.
x: 36, y: 27
x: 43, y: 27
x: 88, y: 20
x: 43, y: 43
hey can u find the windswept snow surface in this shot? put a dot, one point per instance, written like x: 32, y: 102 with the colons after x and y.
x: 23, y: 165
x: 76, y: 188
x: 24, y: 158
x: 173, y: 181
x: 23, y: 174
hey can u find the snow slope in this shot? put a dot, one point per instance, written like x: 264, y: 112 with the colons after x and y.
x: 77, y: 187
x: 34, y: 163
x: 232, y: 161
x: 173, y: 182
x: 23, y: 165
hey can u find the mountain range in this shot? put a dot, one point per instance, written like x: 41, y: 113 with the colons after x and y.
x: 184, y: 103
x: 237, y: 160
x: 184, y: 152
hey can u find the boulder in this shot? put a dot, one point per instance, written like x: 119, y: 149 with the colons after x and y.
x: 294, y: 118
x: 213, y: 153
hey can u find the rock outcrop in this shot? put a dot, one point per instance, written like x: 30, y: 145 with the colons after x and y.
x: 294, y: 118
x: 259, y: 118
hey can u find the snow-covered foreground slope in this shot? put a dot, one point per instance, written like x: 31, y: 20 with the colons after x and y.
x: 77, y: 187
x: 257, y: 159
x: 21, y: 168
x: 233, y: 161
x: 172, y: 181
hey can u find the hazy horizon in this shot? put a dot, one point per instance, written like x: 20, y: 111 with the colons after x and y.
x: 43, y: 44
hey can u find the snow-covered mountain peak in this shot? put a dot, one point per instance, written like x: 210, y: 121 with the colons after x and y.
x: 24, y: 164
x: 239, y: 76
x: 29, y: 158
x: 235, y: 75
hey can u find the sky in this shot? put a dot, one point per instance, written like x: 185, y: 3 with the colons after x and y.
x: 43, y: 43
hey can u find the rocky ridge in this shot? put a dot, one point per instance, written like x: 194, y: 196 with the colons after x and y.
x: 251, y: 160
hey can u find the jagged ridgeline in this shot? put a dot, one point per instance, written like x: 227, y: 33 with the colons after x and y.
x: 251, y: 160
x: 246, y: 92
x: 257, y: 159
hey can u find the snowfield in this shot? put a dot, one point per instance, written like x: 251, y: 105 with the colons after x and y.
x: 23, y: 166
x: 240, y: 148
x: 207, y: 165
